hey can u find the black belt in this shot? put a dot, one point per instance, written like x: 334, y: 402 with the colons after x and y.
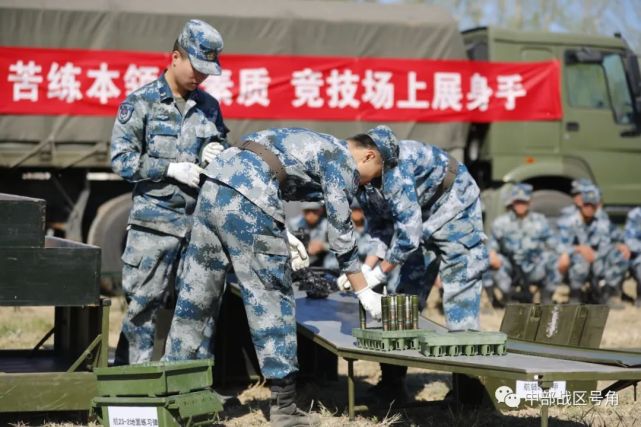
x: 446, y: 184
x: 268, y: 156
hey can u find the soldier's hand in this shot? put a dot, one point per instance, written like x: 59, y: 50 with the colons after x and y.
x: 371, y: 302
x: 375, y: 276
x: 587, y: 253
x: 623, y: 248
x: 211, y: 150
x: 299, y: 257
x: 186, y: 173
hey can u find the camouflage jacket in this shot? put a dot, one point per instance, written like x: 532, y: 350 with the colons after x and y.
x: 633, y: 230
x: 523, y: 241
x: 568, y: 212
x: 574, y: 231
x: 318, y: 167
x: 149, y: 133
x: 400, y: 214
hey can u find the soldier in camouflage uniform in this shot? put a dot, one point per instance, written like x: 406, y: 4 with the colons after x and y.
x: 240, y: 221
x: 313, y: 224
x: 633, y: 242
x: 164, y: 132
x: 594, y: 256
x: 426, y: 217
x: 522, y: 248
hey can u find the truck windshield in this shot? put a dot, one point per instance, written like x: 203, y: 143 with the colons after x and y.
x: 602, y: 86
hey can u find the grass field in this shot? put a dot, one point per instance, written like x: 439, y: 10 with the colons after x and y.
x: 23, y: 327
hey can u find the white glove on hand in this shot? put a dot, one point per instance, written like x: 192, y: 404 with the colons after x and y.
x: 371, y: 302
x: 185, y: 172
x: 299, y: 256
x: 343, y: 281
x: 374, y: 277
x: 211, y: 150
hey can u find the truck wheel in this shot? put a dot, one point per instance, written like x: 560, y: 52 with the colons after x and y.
x: 550, y: 203
x: 109, y: 231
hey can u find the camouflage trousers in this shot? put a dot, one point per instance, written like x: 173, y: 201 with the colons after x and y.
x: 609, y: 267
x: 543, y: 273
x: 230, y: 231
x: 457, y: 252
x: 635, y: 268
x: 151, y: 262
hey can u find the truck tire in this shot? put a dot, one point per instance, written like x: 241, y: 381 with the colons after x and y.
x: 550, y: 203
x: 109, y: 231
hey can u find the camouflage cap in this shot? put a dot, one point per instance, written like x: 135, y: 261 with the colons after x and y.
x: 578, y: 185
x: 591, y: 195
x: 311, y: 205
x: 386, y: 143
x: 519, y: 191
x: 203, y: 43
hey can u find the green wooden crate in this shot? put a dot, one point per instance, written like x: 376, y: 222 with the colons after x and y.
x: 189, y: 409
x: 22, y: 221
x: 155, y: 378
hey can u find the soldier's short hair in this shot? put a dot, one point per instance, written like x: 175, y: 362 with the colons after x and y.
x: 178, y: 48
x: 364, y: 141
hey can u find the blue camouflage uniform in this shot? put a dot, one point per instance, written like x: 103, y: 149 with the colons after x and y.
x: 150, y: 133
x: 526, y: 247
x: 240, y: 221
x: 403, y: 217
x: 609, y: 265
x: 633, y: 241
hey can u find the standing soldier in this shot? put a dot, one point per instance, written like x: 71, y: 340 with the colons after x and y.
x: 523, y: 249
x: 164, y: 132
x: 427, y: 218
x: 594, y: 256
x: 239, y: 221
x: 633, y: 242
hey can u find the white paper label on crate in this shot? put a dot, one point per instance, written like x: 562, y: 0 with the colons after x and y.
x: 123, y: 416
x: 531, y: 389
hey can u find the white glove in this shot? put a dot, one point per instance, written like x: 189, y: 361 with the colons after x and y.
x: 371, y: 302
x: 299, y: 256
x: 343, y: 281
x: 185, y: 172
x: 211, y: 150
x: 374, y: 276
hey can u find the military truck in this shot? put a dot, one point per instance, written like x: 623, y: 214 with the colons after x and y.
x: 65, y: 158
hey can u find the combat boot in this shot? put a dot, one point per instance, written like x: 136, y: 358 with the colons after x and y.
x: 638, y: 300
x: 283, y: 411
x: 391, y: 389
x: 546, y: 296
x: 611, y: 297
x: 575, y: 296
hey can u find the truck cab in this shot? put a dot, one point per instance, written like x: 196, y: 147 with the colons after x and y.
x: 598, y: 137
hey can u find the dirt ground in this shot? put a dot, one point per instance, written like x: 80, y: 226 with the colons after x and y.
x: 23, y: 327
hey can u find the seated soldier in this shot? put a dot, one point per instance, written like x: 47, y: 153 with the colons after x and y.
x: 522, y: 249
x: 594, y: 255
x: 313, y: 224
x: 633, y: 243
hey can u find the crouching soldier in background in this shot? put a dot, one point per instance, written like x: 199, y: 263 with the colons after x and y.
x: 594, y: 255
x: 239, y: 221
x: 313, y: 224
x: 523, y: 249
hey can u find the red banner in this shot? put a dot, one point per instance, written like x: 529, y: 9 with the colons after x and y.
x: 94, y: 82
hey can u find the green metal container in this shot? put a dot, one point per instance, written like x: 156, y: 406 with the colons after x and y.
x: 155, y: 378
x: 189, y: 409
x: 463, y: 343
x: 379, y: 339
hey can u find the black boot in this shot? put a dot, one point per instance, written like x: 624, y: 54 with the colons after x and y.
x: 611, y: 297
x: 546, y: 296
x: 391, y: 387
x: 283, y: 411
x: 575, y: 296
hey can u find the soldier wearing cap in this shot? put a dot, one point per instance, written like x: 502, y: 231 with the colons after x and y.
x: 593, y: 252
x: 239, y: 221
x: 523, y: 248
x: 426, y: 217
x: 633, y: 242
x: 165, y: 132
x: 313, y: 224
